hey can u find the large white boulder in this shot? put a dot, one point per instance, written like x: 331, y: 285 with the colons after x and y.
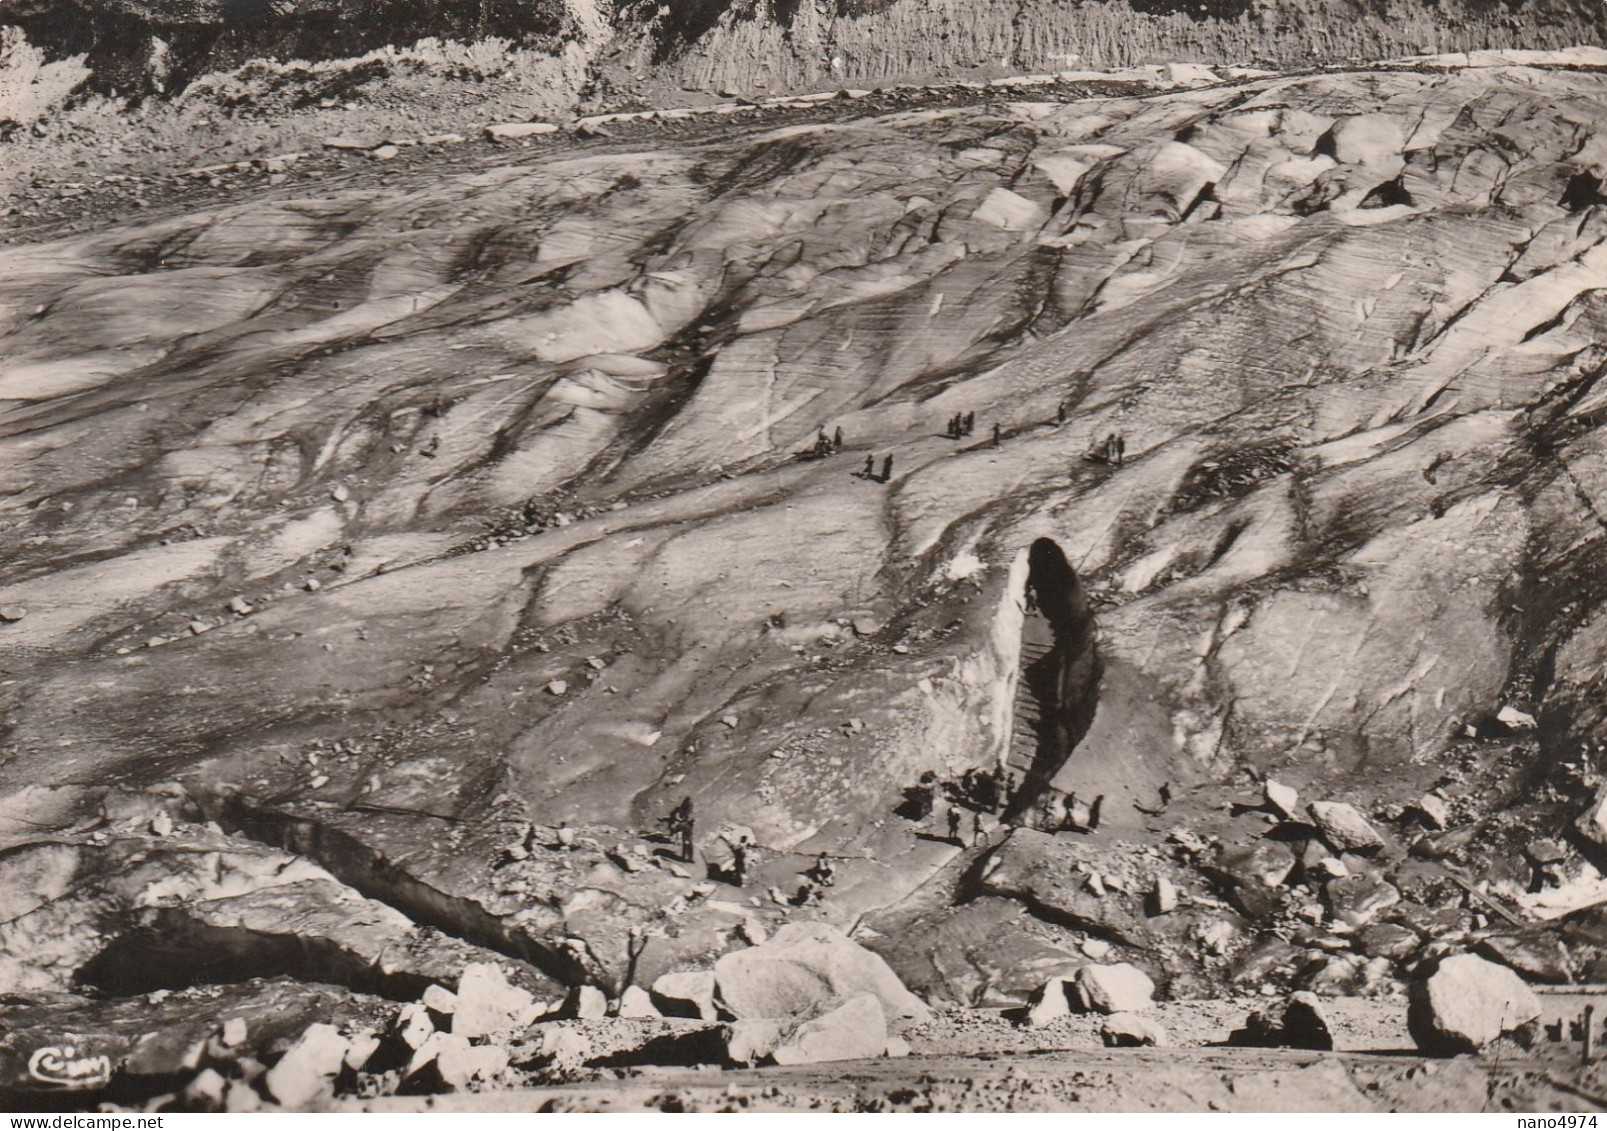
x: 804, y: 965
x: 1118, y: 988
x: 855, y: 1029
x: 306, y: 1073
x: 488, y: 1003
x: 1282, y: 799
x: 1343, y: 826
x: 585, y: 1003
x: 1467, y: 1003
x: 637, y: 1002
x: 1131, y: 1030
x: 1048, y: 1004
x: 846, y: 1028
x: 686, y: 992
x: 461, y: 1064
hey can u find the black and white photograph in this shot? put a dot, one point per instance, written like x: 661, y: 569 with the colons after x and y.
x: 821, y: 556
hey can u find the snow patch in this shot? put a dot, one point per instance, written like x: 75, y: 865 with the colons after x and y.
x: 963, y: 565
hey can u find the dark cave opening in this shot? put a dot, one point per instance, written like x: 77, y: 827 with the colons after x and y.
x: 1057, y: 690
x: 174, y: 952
x: 1583, y: 191
x: 1388, y: 194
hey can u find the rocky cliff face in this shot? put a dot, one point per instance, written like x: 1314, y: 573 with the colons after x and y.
x: 810, y: 44
x: 395, y: 551
x: 780, y: 45
x: 138, y: 46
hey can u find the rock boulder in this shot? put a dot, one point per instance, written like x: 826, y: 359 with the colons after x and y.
x: 585, y: 1003
x: 306, y: 1073
x: 844, y: 1028
x: 487, y: 1003
x: 1387, y: 940
x: 1343, y: 827
x: 637, y: 1002
x: 563, y: 1047
x: 850, y: 1029
x: 686, y: 993
x: 751, y: 1039
x: 1535, y: 953
x: 803, y: 965
x: 461, y: 1064
x: 1049, y: 1004
x: 1131, y: 1030
x: 1119, y: 988
x: 1305, y: 1025
x: 1359, y: 898
x: 1282, y: 800
x: 1301, y: 1024
x: 1466, y: 1003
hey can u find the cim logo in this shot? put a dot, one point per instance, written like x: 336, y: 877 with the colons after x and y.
x: 64, y: 1068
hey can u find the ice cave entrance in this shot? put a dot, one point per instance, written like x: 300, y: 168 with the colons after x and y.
x: 1057, y: 688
